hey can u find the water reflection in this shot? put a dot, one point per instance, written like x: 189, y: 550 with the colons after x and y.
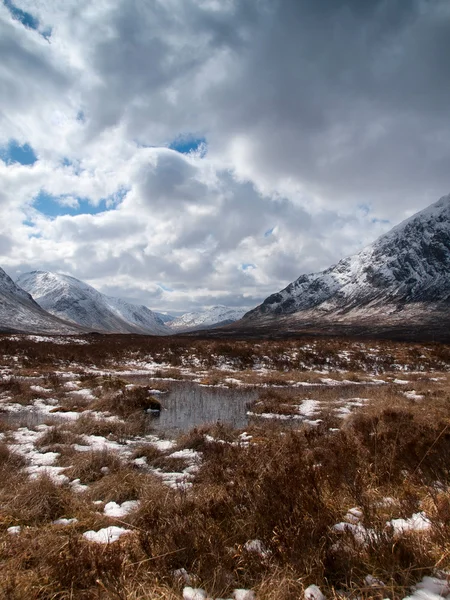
x: 188, y: 405
x: 30, y: 417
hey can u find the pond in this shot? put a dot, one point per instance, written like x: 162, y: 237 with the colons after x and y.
x: 188, y: 405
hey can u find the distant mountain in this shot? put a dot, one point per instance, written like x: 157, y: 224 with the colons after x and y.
x: 78, y: 302
x: 213, y: 317
x: 165, y: 318
x: 401, y: 279
x: 20, y: 313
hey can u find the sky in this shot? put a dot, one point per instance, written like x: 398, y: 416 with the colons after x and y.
x: 187, y: 153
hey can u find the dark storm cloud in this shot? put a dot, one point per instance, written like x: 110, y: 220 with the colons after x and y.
x: 20, y: 56
x: 345, y: 95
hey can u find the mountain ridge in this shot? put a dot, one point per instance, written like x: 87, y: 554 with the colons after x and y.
x: 20, y: 313
x: 404, y: 273
x: 75, y: 301
x: 215, y: 316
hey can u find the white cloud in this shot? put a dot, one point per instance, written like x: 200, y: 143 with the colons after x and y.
x: 310, y: 111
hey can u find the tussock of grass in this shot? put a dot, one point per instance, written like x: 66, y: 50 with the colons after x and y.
x: 10, y: 461
x: 128, y: 402
x: 35, y: 502
x: 57, y: 436
x: 117, y: 430
x: 124, y: 484
x: 149, y: 451
x: 93, y: 465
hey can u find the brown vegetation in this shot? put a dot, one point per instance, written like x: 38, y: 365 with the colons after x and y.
x: 286, y: 487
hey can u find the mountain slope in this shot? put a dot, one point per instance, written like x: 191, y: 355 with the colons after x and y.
x: 165, y: 318
x: 78, y: 302
x: 403, y: 274
x: 213, y: 317
x: 19, y: 312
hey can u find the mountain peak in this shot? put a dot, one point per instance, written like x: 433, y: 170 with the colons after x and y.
x: 76, y: 301
x: 408, y: 265
x: 19, y: 312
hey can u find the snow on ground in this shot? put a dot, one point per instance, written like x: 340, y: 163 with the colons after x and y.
x: 14, y: 530
x: 363, y: 535
x: 312, y: 592
x: 65, y: 522
x: 40, y: 463
x: 85, y: 393
x: 39, y: 389
x: 278, y: 416
x: 257, y: 547
x: 98, y: 442
x: 418, y: 522
x: 308, y: 408
x: 413, y: 395
x: 430, y: 588
x: 180, y: 479
x: 112, y: 509
x: 107, y: 535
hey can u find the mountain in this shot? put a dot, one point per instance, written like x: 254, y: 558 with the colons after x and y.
x: 213, y: 317
x: 401, y: 280
x: 165, y: 318
x: 20, y: 313
x: 78, y: 302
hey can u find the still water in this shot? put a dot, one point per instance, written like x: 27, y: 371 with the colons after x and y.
x: 188, y: 405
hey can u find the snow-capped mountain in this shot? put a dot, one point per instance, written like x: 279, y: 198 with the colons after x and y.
x: 213, y: 317
x: 165, y: 318
x: 19, y: 312
x: 78, y: 302
x: 404, y: 272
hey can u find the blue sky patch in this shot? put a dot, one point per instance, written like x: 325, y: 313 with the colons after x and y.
x: 53, y: 206
x: 24, y: 17
x: 27, y: 19
x: 68, y: 204
x: 248, y: 266
x: 15, y: 153
x: 189, y: 143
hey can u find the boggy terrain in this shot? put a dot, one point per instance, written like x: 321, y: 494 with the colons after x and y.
x: 337, y: 475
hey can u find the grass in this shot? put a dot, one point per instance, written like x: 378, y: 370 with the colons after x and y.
x: 287, y: 487
x: 127, y: 402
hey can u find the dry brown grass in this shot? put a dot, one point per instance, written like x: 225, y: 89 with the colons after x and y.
x: 127, y: 402
x: 57, y: 436
x: 126, y: 483
x: 35, y: 502
x: 332, y: 354
x: 287, y: 488
x: 93, y: 465
x: 117, y: 430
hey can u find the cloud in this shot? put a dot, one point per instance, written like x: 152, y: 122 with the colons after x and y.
x: 308, y: 111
